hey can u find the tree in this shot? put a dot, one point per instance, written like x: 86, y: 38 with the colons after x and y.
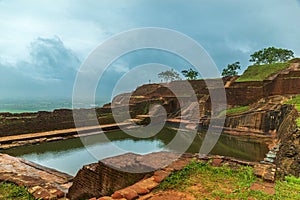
x: 169, y: 75
x: 231, y: 69
x: 190, y: 74
x: 271, y: 55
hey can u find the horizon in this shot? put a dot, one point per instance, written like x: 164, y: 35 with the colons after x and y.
x: 44, y: 44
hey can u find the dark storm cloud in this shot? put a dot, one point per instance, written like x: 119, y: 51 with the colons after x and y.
x: 50, y: 71
x: 51, y: 59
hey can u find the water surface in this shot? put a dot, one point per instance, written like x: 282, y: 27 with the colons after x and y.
x: 70, y: 155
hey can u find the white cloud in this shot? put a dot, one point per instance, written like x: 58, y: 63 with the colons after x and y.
x: 229, y: 30
x: 119, y: 67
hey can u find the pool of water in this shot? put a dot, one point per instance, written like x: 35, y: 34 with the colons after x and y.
x: 70, y: 155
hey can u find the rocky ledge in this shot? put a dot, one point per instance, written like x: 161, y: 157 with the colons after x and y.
x: 98, y: 180
x: 42, y: 182
x: 115, y: 173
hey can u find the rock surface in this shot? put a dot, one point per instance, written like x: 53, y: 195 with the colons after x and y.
x: 288, y: 156
x: 42, y: 182
x: 112, y: 174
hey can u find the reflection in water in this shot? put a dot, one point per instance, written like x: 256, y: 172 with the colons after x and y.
x: 70, y: 155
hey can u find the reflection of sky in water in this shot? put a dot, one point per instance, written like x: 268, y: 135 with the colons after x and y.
x: 70, y: 155
x: 71, y: 161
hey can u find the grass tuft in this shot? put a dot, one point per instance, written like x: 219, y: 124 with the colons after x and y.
x: 10, y: 191
x: 235, y: 110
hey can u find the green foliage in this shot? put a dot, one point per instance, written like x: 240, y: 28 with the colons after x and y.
x: 239, y: 109
x: 231, y: 69
x: 190, y: 74
x: 9, y: 191
x: 298, y: 122
x: 296, y: 102
x: 169, y: 75
x: 235, y: 110
x: 271, y: 55
x: 261, y: 72
x: 292, y: 179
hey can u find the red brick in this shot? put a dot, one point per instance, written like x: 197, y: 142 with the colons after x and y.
x: 130, y: 194
x: 139, y: 189
x: 160, y: 175
x: 117, y: 195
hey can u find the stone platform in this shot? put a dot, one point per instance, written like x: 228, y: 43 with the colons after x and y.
x: 42, y: 182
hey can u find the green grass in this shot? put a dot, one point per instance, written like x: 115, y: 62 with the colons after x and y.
x: 206, y: 182
x: 261, y: 72
x: 10, y: 191
x: 235, y: 110
x: 298, y: 122
x: 288, y: 189
x: 295, y: 101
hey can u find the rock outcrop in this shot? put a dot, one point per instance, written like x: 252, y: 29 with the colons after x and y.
x: 288, y: 156
x: 286, y: 82
x: 141, y: 189
x: 111, y: 174
x: 263, y: 117
x: 42, y: 182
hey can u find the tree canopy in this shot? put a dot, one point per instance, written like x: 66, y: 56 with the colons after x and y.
x: 190, y: 74
x: 231, y: 69
x: 271, y: 55
x: 169, y: 75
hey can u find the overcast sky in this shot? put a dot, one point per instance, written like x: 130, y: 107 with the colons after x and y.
x: 43, y: 43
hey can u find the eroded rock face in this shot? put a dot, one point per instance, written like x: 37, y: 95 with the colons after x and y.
x: 288, y: 158
x: 111, y: 174
x: 42, y: 182
x: 265, y: 118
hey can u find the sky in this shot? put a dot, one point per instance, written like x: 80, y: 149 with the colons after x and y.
x: 44, y: 43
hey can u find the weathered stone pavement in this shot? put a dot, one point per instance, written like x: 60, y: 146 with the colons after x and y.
x: 42, y: 182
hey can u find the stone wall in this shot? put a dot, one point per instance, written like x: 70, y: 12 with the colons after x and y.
x: 11, y: 124
x: 286, y: 84
x: 245, y: 93
x: 14, y: 124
